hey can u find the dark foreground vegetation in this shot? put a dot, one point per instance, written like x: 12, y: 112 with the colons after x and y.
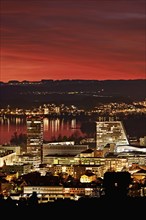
x: 114, y: 204
x: 109, y: 207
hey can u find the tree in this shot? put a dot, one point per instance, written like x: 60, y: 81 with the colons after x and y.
x: 33, y: 199
x: 19, y: 140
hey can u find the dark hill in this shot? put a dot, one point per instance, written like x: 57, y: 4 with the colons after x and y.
x: 82, y: 93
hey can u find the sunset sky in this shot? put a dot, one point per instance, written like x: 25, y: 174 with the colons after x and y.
x: 73, y: 39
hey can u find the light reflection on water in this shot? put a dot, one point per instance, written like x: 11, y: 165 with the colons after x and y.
x: 52, y: 128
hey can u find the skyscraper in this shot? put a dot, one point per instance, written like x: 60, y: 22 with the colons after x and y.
x: 35, y: 134
x: 110, y: 132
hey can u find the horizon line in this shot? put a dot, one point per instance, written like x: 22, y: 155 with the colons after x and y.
x: 25, y: 80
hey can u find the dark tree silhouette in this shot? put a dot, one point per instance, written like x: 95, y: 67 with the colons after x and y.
x: 33, y: 199
x: 20, y: 139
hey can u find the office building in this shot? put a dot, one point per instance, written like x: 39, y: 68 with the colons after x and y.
x: 110, y: 132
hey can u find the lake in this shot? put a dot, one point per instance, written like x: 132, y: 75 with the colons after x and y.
x: 135, y: 126
x: 53, y: 127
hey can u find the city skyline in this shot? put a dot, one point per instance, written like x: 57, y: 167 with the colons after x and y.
x: 95, y: 40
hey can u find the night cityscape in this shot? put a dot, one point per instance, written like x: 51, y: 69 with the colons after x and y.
x: 73, y: 108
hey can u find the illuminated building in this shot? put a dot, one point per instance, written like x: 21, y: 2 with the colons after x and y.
x: 51, y: 193
x: 142, y: 141
x: 17, y: 169
x: 63, y: 148
x: 35, y: 134
x: 7, y: 157
x: 110, y: 132
x: 29, y: 158
x: 88, y: 177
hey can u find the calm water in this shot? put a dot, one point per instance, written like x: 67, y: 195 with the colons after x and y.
x: 52, y: 128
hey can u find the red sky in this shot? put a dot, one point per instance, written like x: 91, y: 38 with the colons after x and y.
x: 74, y: 39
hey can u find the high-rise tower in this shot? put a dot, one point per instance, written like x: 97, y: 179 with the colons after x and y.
x: 35, y: 134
